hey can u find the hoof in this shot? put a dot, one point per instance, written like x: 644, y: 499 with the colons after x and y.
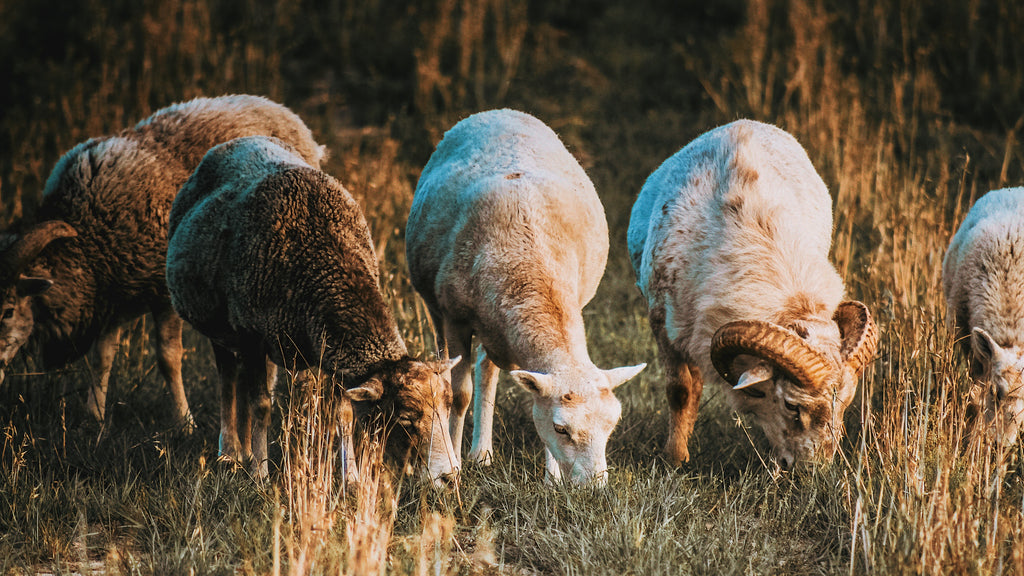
x: 483, y: 458
x: 676, y: 453
x: 187, y: 424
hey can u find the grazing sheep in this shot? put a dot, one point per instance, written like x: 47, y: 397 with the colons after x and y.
x: 95, y: 260
x: 729, y: 240
x: 269, y: 257
x: 507, y: 240
x: 983, y: 280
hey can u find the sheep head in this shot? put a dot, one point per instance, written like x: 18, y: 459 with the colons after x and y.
x: 414, y: 398
x: 574, y: 415
x: 796, y: 391
x: 17, y: 289
x: 998, y: 393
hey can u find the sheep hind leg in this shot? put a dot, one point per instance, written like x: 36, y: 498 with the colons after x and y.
x: 258, y: 374
x: 106, y: 349
x: 483, y: 410
x: 169, y: 352
x: 229, y: 446
x: 458, y: 341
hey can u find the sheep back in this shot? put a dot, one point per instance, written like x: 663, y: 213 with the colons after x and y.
x: 117, y: 193
x: 504, y: 192
x: 983, y: 270
x: 263, y: 245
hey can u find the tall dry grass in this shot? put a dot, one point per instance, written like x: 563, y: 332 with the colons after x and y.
x: 485, y: 40
x: 102, y: 66
x: 317, y: 509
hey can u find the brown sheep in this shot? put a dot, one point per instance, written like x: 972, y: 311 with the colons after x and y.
x: 95, y: 260
x: 270, y: 257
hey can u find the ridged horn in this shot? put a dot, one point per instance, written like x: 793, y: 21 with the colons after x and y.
x: 859, y: 335
x: 780, y: 346
x: 31, y: 243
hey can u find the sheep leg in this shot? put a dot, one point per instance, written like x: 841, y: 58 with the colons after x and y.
x: 683, y: 390
x: 169, y: 352
x: 106, y: 349
x: 459, y: 339
x: 483, y: 410
x: 346, y: 444
x: 229, y: 446
x: 440, y: 342
x: 257, y: 373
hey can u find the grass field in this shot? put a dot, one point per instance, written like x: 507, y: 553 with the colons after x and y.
x: 909, y: 110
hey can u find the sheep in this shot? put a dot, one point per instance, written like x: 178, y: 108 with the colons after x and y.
x: 272, y: 258
x: 507, y: 240
x: 729, y: 240
x: 983, y: 282
x: 95, y: 259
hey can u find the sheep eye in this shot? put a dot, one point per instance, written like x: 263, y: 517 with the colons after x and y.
x: 791, y: 407
x: 561, y: 429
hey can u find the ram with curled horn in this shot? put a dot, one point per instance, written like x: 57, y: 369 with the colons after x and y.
x: 729, y: 240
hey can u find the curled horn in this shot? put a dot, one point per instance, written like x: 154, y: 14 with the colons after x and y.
x: 780, y: 346
x: 18, y: 256
x: 858, y: 333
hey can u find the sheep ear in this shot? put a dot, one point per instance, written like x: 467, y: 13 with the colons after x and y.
x: 444, y: 366
x: 539, y: 384
x: 619, y: 376
x: 31, y: 286
x: 755, y: 375
x: 984, y: 347
x: 369, y: 391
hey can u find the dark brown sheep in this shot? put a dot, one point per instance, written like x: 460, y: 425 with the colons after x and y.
x: 95, y: 260
x: 270, y: 257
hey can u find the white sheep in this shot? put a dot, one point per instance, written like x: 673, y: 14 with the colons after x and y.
x: 983, y: 281
x: 729, y: 240
x: 507, y: 241
x: 95, y: 259
x: 271, y: 258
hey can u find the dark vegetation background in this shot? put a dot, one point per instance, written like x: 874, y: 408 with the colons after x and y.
x: 910, y: 109
x: 600, y: 70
